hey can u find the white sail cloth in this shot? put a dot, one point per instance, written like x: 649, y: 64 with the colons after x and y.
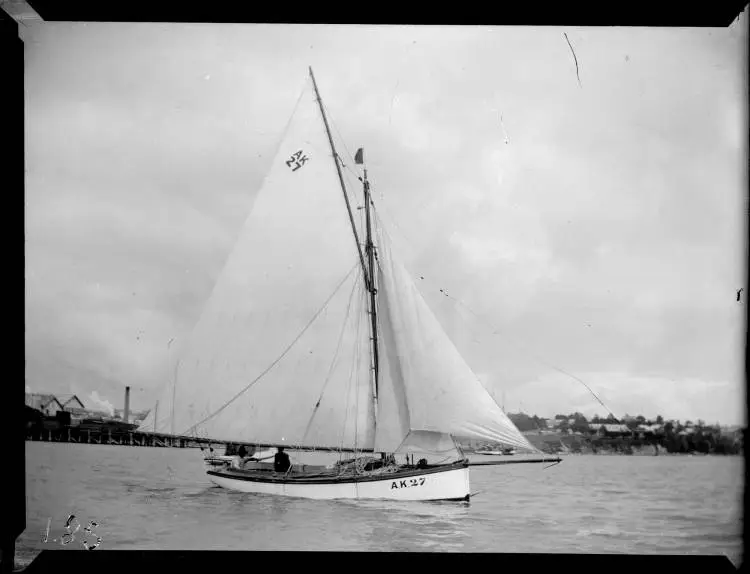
x: 426, y: 384
x: 294, y: 249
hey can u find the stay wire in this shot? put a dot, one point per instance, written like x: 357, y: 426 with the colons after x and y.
x: 354, y: 365
x: 358, y: 356
x: 281, y: 356
x: 335, y: 354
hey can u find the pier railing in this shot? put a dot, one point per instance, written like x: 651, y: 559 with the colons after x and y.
x: 116, y: 437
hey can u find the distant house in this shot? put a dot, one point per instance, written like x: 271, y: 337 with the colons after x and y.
x: 70, y: 401
x: 78, y: 411
x: 50, y: 404
x: 649, y: 428
x: 616, y: 429
x: 44, y: 403
x: 553, y: 423
x: 608, y: 428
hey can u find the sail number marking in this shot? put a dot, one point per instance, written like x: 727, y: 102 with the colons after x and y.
x: 297, y: 160
x: 407, y: 483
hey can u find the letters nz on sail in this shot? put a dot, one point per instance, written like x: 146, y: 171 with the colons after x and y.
x: 316, y: 337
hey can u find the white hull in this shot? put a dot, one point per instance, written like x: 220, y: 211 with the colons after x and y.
x: 451, y: 483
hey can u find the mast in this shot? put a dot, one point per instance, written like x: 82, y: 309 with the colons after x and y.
x: 341, y: 180
x: 370, y: 251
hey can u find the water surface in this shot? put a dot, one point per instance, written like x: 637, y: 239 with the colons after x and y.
x: 160, y: 498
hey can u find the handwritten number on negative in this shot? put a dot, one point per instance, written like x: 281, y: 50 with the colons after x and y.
x: 297, y: 160
x: 88, y: 529
x: 69, y: 535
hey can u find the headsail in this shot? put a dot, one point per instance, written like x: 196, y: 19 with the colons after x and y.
x: 442, y: 395
x: 295, y: 251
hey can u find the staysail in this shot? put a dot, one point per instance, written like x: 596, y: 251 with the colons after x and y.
x: 434, y: 389
x: 296, y: 251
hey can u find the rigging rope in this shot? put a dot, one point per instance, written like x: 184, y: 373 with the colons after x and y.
x: 346, y: 414
x: 354, y: 367
x: 357, y: 359
x: 377, y: 218
x: 281, y: 356
x: 359, y: 176
x: 335, y: 127
x: 335, y: 355
x: 346, y: 166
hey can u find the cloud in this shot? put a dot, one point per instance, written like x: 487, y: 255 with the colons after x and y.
x: 604, y: 237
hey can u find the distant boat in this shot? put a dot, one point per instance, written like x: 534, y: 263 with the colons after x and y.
x: 315, y: 338
x: 496, y: 452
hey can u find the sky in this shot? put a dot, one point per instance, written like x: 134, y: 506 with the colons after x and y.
x: 591, y: 225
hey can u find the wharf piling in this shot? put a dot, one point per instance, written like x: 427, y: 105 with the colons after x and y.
x: 116, y: 437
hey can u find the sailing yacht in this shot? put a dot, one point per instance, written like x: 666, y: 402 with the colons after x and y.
x: 315, y: 337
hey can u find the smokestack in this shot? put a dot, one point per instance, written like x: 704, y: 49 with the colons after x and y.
x: 126, y: 414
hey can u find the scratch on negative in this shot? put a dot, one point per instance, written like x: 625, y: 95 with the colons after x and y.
x: 574, y: 57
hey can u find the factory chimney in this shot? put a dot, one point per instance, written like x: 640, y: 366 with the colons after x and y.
x: 126, y: 414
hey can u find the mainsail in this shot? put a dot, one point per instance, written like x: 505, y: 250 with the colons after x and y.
x: 294, y: 252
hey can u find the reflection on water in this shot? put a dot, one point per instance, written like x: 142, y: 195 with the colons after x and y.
x: 148, y: 498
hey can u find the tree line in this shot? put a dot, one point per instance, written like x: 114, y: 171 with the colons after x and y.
x: 674, y: 436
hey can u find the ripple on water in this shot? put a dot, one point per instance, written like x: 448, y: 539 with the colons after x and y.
x: 160, y: 498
